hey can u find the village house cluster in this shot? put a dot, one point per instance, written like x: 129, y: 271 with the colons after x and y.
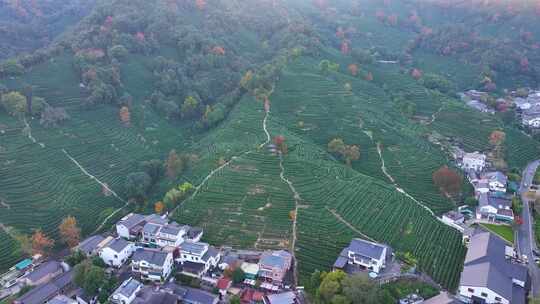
x: 148, y: 252
x: 526, y: 103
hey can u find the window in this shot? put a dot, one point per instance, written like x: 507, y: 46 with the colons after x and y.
x: 470, y: 290
x: 498, y: 299
x: 116, y: 256
x: 483, y: 294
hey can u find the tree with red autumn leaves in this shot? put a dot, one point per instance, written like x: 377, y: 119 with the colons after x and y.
x: 448, y: 180
x: 281, y: 145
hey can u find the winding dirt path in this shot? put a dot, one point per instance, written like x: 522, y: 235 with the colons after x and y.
x: 28, y: 131
x: 297, y: 200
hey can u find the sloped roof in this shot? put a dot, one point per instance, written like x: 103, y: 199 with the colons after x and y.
x: 172, y: 229
x: 118, y: 244
x: 486, y: 266
x: 91, y: 243
x: 44, y: 292
x: 128, y: 288
x: 131, y: 220
x: 367, y: 248
x: 212, y: 252
x: 152, y: 256
x: 199, y: 296
x: 43, y: 270
x: 194, y: 248
x: 151, y: 228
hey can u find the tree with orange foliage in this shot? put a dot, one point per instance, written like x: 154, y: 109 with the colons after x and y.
x: 125, y: 116
x: 416, y: 74
x: 71, y: 234
x: 448, y: 180
x: 369, y: 76
x: 201, y: 4
x: 292, y: 215
x: 41, y: 244
x: 159, y: 207
x: 353, y: 69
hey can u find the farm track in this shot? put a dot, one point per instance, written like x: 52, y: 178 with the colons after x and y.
x: 85, y: 172
x: 396, y: 186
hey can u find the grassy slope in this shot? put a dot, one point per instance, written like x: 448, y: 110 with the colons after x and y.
x: 505, y: 232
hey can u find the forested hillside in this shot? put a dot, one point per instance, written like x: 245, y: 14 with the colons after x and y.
x: 27, y: 25
x: 358, y: 98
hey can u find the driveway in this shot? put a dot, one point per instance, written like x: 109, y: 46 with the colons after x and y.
x: 526, y: 241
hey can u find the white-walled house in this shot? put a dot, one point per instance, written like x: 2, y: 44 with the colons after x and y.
x: 454, y: 219
x: 497, y: 181
x: 197, y: 258
x: 127, y: 292
x: 368, y: 255
x: 152, y: 264
x: 494, y: 208
x: 117, y: 252
x: 474, y: 161
x: 156, y: 230
x: 489, y: 275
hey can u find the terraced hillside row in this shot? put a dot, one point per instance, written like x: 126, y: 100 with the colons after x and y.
x: 246, y: 202
x: 321, y: 108
x: 41, y: 184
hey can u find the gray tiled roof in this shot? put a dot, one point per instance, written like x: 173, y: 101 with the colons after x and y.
x: 152, y: 256
x: 43, y: 270
x: 45, y: 292
x: 128, y: 287
x: 132, y: 220
x: 486, y: 266
x: 212, y: 252
x: 197, y: 296
x: 156, y: 219
x: 366, y: 248
x: 118, y: 244
x: 150, y: 228
x: 91, y: 243
x: 172, y: 229
x: 194, y: 248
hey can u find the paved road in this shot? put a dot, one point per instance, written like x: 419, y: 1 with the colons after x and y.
x: 526, y: 241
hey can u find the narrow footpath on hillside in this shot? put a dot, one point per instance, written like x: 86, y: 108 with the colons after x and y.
x: 103, y: 185
x: 341, y: 219
x: 297, y: 201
